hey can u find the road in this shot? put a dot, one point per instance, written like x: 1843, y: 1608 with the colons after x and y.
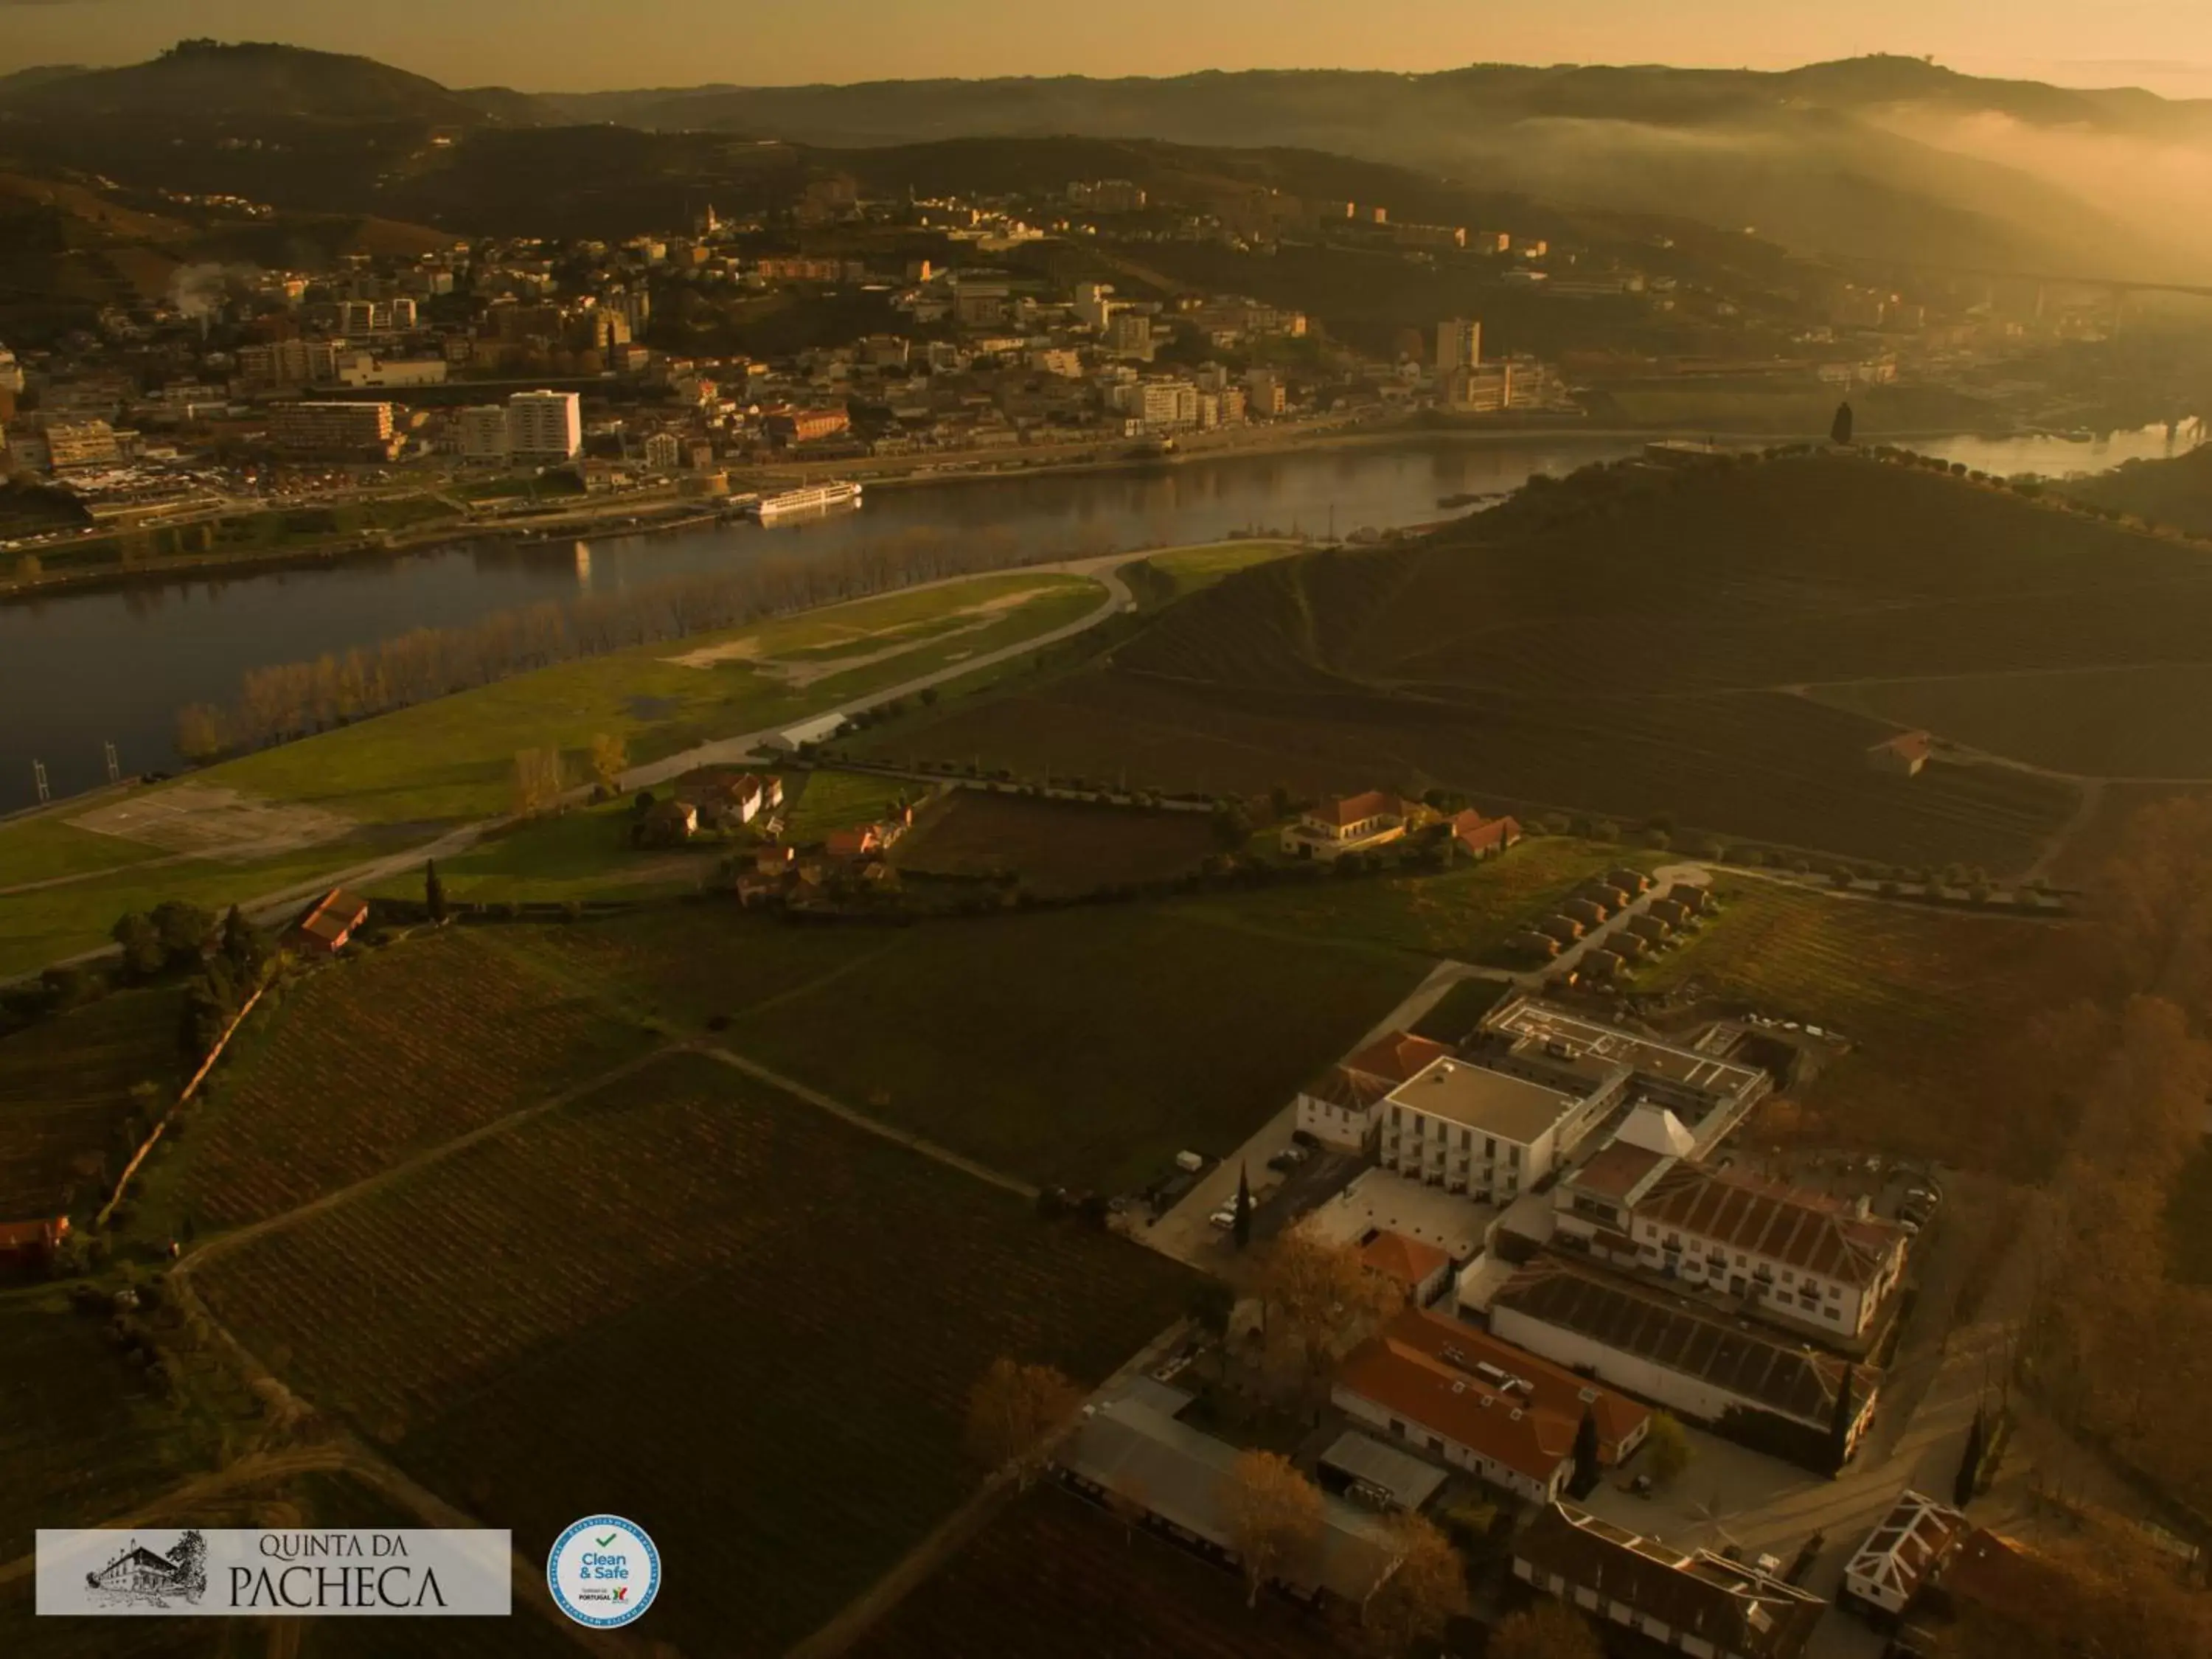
x: 275, y: 908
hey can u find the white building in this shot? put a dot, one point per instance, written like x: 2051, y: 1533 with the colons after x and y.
x: 1130, y: 335
x: 1459, y: 344
x: 1264, y: 393
x: 1904, y: 1552
x: 1348, y: 823
x: 1467, y: 1128
x: 484, y: 433
x: 544, y: 425
x: 1094, y: 304
x: 820, y: 729
x: 1345, y: 1103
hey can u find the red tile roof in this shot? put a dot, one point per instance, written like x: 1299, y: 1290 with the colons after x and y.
x: 1406, y: 1261
x: 337, y: 914
x: 1346, y: 809
x: 1617, y: 1170
x: 1524, y: 1413
x: 1479, y: 834
x: 1398, y: 1058
x: 1342, y: 1086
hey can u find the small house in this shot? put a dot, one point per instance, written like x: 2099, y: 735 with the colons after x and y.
x: 1903, y: 754
x: 1694, y: 899
x: 329, y: 922
x: 1483, y: 838
x: 1348, y: 823
x: 1585, y: 911
x: 1674, y: 915
x: 32, y: 1243
x: 1627, y: 879
x: 1533, y: 944
x: 668, y: 824
x: 1566, y: 929
x: 1909, y: 1547
x: 1417, y: 1270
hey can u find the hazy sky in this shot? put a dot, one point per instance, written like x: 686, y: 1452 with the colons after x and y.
x: 583, y: 45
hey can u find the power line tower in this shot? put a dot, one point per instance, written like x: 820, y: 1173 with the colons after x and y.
x: 114, y: 770
x: 39, y: 778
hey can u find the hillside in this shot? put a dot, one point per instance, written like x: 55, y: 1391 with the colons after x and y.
x: 202, y: 81
x: 1639, y: 642
x: 2177, y: 491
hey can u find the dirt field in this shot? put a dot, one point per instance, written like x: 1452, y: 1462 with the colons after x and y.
x: 1054, y: 1577
x: 1053, y: 847
x: 214, y: 823
x: 65, y: 1099
x: 718, y: 1281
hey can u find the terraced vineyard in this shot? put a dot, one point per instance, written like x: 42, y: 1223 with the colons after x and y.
x: 1054, y: 1577
x: 1939, y: 1008
x: 690, y: 1299
x: 380, y: 1057
x: 65, y: 1098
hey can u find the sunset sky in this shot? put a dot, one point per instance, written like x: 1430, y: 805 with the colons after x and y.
x: 584, y: 45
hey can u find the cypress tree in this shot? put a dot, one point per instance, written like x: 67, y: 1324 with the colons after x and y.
x: 1970, y: 1464
x: 1586, y: 1469
x: 1840, y: 432
x: 1242, y: 1231
x: 1839, y: 1431
x: 434, y: 891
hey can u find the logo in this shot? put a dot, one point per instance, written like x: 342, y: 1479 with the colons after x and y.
x: 146, y: 1576
x: 604, y: 1572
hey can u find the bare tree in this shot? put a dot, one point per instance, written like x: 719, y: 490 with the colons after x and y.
x: 610, y: 759
x: 1425, y: 1592
x: 1274, y: 1516
x: 536, y: 779
x: 1015, y: 1411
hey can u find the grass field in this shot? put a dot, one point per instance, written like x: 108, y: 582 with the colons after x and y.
x: 2150, y: 722
x: 1187, y: 569
x: 1085, y: 1046
x: 1052, y: 847
x: 1054, y: 1577
x: 583, y: 853
x: 1461, y: 1010
x: 371, y: 1061
x: 1467, y: 912
x: 48, y: 847
x: 731, y: 1296
x: 1925, y: 998
x: 817, y: 803
x: 65, y: 1093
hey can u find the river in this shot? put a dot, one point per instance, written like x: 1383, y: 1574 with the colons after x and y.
x: 81, y: 669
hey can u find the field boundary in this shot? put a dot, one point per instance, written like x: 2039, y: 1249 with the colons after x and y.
x: 191, y: 1088
x: 873, y: 1126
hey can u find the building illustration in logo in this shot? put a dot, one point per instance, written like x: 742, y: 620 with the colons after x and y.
x: 140, y: 1574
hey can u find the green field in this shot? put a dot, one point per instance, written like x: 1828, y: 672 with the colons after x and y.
x: 583, y: 853
x: 1053, y: 847
x: 2150, y: 722
x: 817, y: 803
x: 1939, y: 1008
x: 371, y: 1061
x: 721, y: 1281
x: 1190, y: 569
x: 406, y: 774
x: 1461, y: 1010
x: 65, y: 1099
x: 1467, y: 912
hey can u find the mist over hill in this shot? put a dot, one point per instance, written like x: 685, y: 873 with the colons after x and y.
x: 1887, y: 158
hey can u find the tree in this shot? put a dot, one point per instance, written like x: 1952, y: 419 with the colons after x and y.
x: 538, y: 779
x: 434, y: 891
x: 610, y: 759
x: 242, y: 948
x: 200, y: 733
x: 184, y: 930
x: 1241, y: 1230
x: 1840, y: 1424
x: 141, y: 941
x: 1588, y: 1465
x: 1970, y: 1463
x: 1422, y: 1596
x: 1014, y: 1411
x: 1839, y: 431
x: 1274, y: 1517
x: 1667, y: 1448
x: 1321, y: 1301
x: 1550, y: 1630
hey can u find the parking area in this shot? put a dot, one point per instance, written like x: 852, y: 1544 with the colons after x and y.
x: 1450, y: 1221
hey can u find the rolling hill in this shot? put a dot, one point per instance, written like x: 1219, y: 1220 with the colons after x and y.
x: 2177, y: 491
x: 1668, y: 646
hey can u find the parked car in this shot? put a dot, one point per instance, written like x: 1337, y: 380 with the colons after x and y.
x: 1281, y: 1162
x: 1225, y: 1217
x: 1190, y: 1161
x: 1305, y: 1137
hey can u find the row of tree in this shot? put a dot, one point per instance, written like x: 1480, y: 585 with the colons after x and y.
x: 285, y: 701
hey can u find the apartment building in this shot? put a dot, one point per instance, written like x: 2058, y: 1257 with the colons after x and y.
x: 338, y: 431
x: 544, y: 425
x: 1469, y: 1128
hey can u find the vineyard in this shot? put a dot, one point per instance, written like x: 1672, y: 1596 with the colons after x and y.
x: 65, y: 1099
x: 1083, y: 1046
x: 688, y: 1299
x: 375, y: 1059
x: 1932, y: 1003
x: 1052, y: 1578
x: 1054, y: 846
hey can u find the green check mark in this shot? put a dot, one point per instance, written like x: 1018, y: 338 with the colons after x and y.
x: 608, y: 1540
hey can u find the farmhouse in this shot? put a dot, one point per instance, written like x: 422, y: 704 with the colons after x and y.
x: 1901, y: 1554
x: 1529, y: 1038
x: 1483, y: 838
x: 726, y: 799
x: 32, y: 1243
x: 1470, y: 1128
x: 329, y: 922
x: 1134, y: 1451
x: 1796, y: 1258
x: 1478, y: 1404
x: 1348, y: 823
x: 1903, y: 754
x: 1702, y: 1604
x: 1775, y: 1394
x: 1344, y: 1104
x: 1419, y: 1271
